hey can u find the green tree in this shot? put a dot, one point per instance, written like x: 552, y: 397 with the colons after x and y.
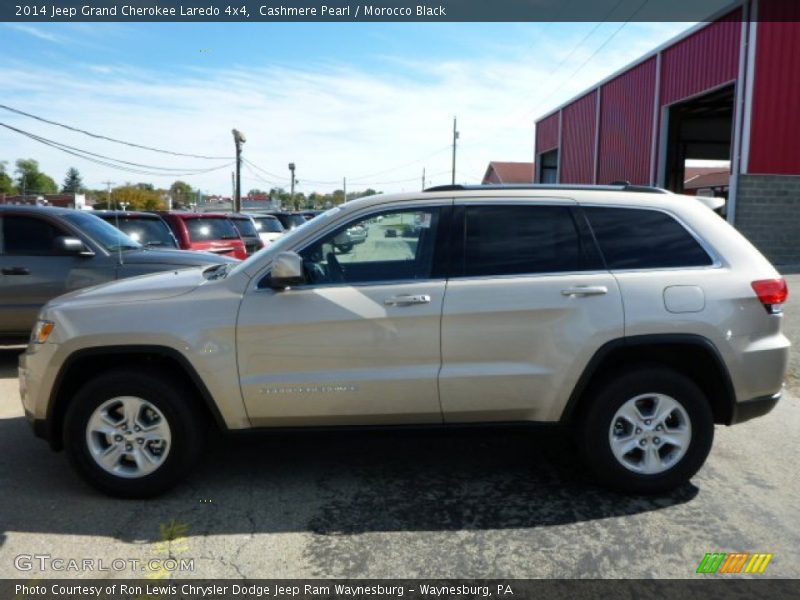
x: 6, y: 183
x: 181, y: 192
x: 136, y: 197
x: 30, y: 180
x: 72, y: 182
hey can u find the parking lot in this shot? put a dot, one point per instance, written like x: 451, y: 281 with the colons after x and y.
x: 426, y: 504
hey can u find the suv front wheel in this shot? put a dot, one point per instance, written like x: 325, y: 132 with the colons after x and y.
x: 133, y: 434
x: 646, y: 431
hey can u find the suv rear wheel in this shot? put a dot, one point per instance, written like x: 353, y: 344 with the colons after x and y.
x: 647, y: 431
x: 133, y: 434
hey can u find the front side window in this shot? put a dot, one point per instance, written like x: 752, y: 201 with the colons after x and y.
x: 394, y: 246
x: 29, y: 236
x: 644, y: 239
x: 511, y: 240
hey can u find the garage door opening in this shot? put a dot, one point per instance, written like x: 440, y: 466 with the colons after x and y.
x: 699, y: 129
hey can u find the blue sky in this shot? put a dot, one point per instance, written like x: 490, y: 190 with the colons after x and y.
x: 370, y: 102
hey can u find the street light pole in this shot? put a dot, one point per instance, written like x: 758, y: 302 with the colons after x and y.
x: 291, y: 193
x: 455, y: 139
x: 238, y: 140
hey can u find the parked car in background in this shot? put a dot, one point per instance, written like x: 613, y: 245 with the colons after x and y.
x: 289, y: 220
x: 350, y: 237
x: 268, y: 226
x: 210, y: 232
x: 46, y: 252
x: 247, y: 231
x: 310, y: 214
x: 147, y: 228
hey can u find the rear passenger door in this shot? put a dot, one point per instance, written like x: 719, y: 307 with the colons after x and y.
x: 527, y: 305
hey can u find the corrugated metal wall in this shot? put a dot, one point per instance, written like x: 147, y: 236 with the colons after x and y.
x: 775, y: 120
x: 702, y: 61
x: 547, y: 134
x: 626, y: 124
x: 577, y: 140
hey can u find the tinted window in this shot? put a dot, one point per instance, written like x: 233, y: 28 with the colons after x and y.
x: 202, y: 229
x: 146, y: 231
x: 508, y: 240
x: 245, y: 226
x: 395, y: 246
x: 268, y: 224
x: 644, y: 239
x: 29, y: 236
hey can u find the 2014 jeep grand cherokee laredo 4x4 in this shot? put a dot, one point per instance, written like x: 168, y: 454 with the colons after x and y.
x: 637, y: 317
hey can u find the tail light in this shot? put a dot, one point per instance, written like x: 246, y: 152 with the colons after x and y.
x: 772, y: 293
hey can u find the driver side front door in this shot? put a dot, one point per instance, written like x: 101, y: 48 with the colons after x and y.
x: 359, y: 343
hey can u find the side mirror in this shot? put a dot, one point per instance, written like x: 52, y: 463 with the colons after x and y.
x: 287, y: 270
x: 72, y: 246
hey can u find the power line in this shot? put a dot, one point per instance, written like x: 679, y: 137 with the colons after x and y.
x: 110, y: 139
x: 586, y: 62
x: 39, y: 138
x: 109, y: 161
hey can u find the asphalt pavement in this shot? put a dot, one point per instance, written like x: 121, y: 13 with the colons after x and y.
x: 488, y: 503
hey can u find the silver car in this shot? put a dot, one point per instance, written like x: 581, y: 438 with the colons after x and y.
x: 636, y: 318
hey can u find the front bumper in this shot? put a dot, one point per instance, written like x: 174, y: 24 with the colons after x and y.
x: 756, y: 407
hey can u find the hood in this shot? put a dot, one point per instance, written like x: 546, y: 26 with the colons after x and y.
x: 156, y: 286
x: 178, y: 258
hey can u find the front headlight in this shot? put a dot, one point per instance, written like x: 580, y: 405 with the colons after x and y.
x: 41, y: 331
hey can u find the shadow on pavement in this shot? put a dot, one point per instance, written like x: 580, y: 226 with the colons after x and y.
x: 325, y: 483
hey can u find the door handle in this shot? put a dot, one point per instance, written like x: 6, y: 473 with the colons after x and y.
x: 585, y: 290
x: 406, y: 300
x: 16, y: 271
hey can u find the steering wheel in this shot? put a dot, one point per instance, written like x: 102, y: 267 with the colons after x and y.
x: 335, y: 269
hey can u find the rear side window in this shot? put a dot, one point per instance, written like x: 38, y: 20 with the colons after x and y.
x: 202, y: 229
x: 644, y: 239
x: 511, y: 240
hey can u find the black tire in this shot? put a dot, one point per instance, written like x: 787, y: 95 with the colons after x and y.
x: 176, y: 402
x: 603, y: 403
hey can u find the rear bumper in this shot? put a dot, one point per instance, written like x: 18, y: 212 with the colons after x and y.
x: 756, y: 407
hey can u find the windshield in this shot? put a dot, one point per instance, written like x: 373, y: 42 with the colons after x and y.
x: 108, y: 236
x: 284, y: 241
x: 145, y: 230
x: 268, y: 225
x: 203, y: 229
x: 245, y: 226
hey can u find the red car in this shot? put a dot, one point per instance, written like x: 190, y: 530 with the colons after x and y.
x: 210, y: 232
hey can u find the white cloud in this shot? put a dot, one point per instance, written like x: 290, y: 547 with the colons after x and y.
x: 37, y: 32
x: 331, y: 120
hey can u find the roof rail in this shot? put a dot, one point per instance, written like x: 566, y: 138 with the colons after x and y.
x: 614, y: 187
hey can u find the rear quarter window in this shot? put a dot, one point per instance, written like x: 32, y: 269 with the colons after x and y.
x: 633, y: 238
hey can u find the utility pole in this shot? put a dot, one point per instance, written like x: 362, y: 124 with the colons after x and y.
x: 423, y: 179
x: 344, y: 186
x: 108, y: 185
x: 455, y: 138
x: 291, y: 193
x: 238, y: 140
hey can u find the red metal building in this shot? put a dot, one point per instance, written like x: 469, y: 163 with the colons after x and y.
x: 727, y: 89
